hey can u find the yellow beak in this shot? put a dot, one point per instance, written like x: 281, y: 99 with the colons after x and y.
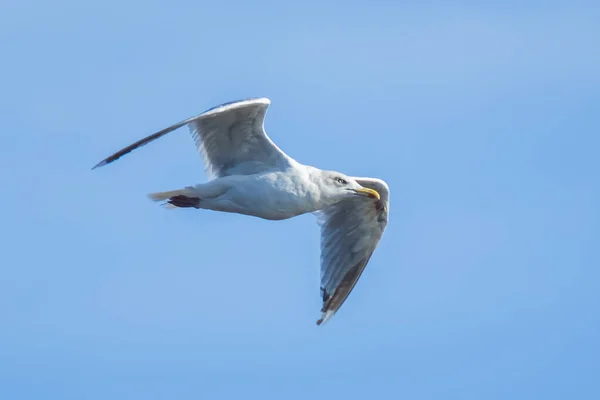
x: 369, y: 192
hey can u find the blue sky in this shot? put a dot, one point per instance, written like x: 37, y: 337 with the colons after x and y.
x: 483, y: 119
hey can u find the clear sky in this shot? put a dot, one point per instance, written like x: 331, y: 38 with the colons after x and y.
x: 483, y: 119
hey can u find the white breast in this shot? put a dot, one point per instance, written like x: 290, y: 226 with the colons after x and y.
x: 274, y: 195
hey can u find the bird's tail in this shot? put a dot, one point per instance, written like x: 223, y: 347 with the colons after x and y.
x: 181, y: 198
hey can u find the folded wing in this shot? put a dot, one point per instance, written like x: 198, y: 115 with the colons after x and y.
x: 350, y: 232
x: 230, y: 137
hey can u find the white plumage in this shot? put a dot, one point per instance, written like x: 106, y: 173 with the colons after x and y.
x: 252, y: 176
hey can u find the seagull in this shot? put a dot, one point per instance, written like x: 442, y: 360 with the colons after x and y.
x: 250, y: 175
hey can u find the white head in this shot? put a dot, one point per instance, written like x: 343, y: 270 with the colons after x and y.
x: 335, y: 187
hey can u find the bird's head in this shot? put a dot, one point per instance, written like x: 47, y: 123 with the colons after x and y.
x: 336, y: 187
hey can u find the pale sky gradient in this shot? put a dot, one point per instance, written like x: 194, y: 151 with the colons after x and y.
x: 484, y: 121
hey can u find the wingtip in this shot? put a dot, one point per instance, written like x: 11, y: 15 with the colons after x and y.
x: 325, y: 316
x: 100, y: 164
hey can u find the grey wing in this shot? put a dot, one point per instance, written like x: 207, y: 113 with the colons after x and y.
x: 350, y: 232
x: 230, y: 137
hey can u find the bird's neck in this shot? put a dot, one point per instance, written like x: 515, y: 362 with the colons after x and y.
x: 308, y: 191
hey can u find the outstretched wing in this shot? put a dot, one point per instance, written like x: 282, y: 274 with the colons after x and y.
x: 230, y: 137
x: 350, y: 232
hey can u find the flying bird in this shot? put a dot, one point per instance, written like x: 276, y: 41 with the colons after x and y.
x: 250, y: 175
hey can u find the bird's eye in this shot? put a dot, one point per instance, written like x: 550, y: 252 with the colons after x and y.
x: 341, y: 181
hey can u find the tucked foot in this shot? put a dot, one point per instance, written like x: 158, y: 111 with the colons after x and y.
x: 182, y: 201
x: 182, y: 198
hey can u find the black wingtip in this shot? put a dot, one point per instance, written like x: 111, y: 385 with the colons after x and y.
x: 100, y: 164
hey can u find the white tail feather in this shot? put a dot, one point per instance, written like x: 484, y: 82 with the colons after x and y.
x: 187, y: 197
x: 161, y: 196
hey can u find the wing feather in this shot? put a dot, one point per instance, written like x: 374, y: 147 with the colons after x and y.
x: 230, y: 137
x: 350, y: 232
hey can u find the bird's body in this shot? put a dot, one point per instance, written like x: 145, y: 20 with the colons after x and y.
x: 272, y: 195
x: 252, y: 176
